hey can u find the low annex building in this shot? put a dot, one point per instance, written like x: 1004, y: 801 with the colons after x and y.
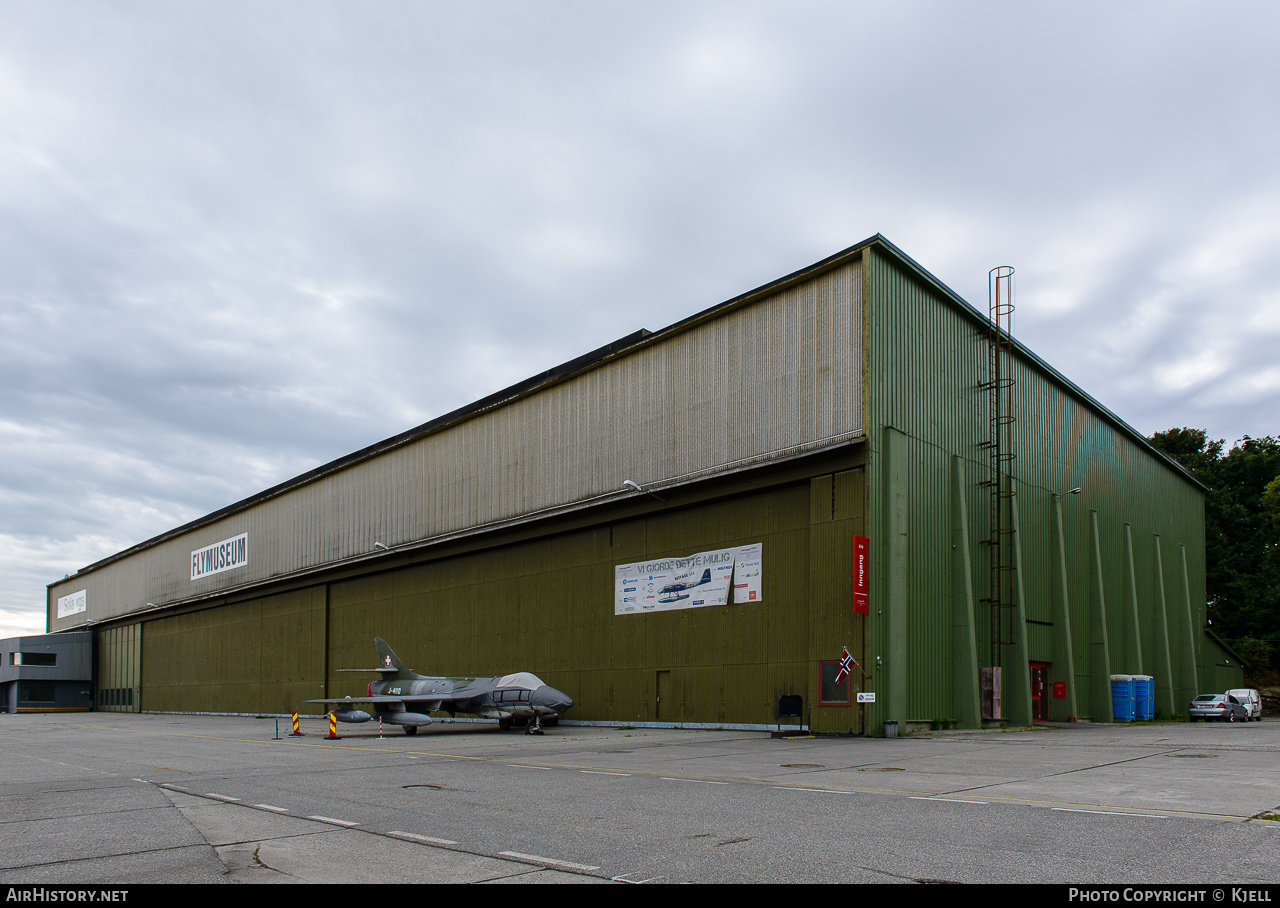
x: 48, y: 673
x: 687, y: 525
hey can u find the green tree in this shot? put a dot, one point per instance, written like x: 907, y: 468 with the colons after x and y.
x: 1242, y: 533
x: 1271, y: 501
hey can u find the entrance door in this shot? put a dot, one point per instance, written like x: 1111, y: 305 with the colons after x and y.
x: 663, y: 702
x: 1040, y: 691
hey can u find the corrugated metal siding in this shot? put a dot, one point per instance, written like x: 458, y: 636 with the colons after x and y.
x: 777, y: 376
x: 927, y: 362
x: 546, y: 606
x: 265, y: 655
x: 118, y: 679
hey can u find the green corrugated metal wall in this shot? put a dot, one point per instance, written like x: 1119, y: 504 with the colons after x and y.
x: 261, y: 656
x: 118, y: 676
x: 925, y: 407
x: 546, y: 606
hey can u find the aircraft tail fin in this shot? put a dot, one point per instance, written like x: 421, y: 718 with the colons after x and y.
x: 706, y: 577
x: 388, y: 661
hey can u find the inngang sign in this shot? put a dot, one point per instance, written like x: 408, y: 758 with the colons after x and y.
x: 221, y: 556
x: 860, y: 575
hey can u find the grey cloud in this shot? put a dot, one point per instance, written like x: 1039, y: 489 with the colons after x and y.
x: 263, y: 236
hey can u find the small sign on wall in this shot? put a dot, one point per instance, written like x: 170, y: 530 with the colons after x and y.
x: 860, y: 571
x: 70, y: 605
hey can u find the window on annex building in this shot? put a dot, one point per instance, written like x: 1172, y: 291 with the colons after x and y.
x: 33, y: 658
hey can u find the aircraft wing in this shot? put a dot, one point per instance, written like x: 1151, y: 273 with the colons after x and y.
x: 437, y: 699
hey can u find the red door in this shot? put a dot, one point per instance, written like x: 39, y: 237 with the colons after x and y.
x: 1040, y: 691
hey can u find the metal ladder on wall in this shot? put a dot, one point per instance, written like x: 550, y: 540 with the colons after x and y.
x: 999, y: 446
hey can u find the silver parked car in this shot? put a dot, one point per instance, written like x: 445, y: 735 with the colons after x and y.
x: 1251, y: 701
x: 1223, y: 707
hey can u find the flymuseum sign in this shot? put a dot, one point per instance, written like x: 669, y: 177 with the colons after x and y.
x: 221, y: 556
x: 693, y: 581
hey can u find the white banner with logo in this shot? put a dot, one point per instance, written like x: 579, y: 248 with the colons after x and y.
x: 221, y: 556
x: 69, y: 605
x: 693, y: 581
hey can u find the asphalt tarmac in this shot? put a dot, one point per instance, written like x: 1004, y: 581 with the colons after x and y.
x: 112, y: 798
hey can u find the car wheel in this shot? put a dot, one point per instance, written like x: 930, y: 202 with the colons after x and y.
x: 1231, y: 717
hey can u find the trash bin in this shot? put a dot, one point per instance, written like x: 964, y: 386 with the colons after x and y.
x: 891, y: 728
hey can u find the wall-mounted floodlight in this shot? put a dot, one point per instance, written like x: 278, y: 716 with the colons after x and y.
x: 1075, y: 491
x: 636, y: 487
x: 379, y: 545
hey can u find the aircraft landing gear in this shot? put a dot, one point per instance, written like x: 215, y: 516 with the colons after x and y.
x: 504, y: 724
x: 535, y: 727
x: 411, y: 729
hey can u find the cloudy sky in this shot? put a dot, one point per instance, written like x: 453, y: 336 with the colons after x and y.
x: 240, y: 239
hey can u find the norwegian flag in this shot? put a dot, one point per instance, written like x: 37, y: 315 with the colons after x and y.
x: 846, y: 666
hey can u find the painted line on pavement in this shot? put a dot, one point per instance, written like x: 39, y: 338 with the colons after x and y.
x: 699, y: 781
x: 332, y: 820
x: 1112, y: 813
x: 422, y: 838
x: 542, y: 860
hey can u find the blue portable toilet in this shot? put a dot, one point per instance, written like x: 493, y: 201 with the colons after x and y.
x: 1122, y: 698
x: 1144, y: 697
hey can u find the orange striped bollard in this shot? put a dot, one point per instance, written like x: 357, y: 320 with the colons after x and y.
x: 297, y: 732
x: 333, y: 728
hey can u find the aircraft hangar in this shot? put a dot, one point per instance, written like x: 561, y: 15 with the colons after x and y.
x: 686, y: 526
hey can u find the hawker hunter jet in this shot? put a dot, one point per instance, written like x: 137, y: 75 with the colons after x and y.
x: 403, y: 697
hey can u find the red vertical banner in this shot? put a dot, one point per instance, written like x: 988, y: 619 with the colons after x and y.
x: 860, y: 569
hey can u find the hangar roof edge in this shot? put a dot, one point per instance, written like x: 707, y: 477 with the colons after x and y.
x: 974, y: 313
x: 615, y: 348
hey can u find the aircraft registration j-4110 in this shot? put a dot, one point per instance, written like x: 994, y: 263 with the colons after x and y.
x: 403, y: 697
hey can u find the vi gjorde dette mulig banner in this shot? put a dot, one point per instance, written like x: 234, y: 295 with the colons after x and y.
x: 691, y: 581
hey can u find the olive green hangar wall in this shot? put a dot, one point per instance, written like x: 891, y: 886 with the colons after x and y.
x: 1107, y: 579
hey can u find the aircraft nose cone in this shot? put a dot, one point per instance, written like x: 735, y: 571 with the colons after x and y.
x: 550, y: 698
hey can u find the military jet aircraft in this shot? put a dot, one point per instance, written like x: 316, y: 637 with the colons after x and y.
x: 403, y: 697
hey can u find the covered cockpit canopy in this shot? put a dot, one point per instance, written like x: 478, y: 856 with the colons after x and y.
x: 527, y: 680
